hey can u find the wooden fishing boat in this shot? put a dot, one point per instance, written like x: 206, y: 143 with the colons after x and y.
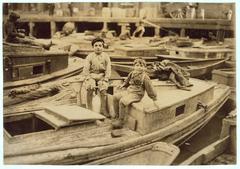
x: 226, y: 76
x: 36, y: 91
x: 123, y: 59
x: 26, y: 64
x: 201, y: 52
x: 224, y: 146
x: 176, y: 58
x: 160, y: 153
x: 139, y: 50
x: 74, y: 68
x: 63, y: 133
x: 196, y: 68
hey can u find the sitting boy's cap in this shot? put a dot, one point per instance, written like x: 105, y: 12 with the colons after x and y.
x: 14, y: 15
x: 164, y: 62
x: 97, y: 40
x: 140, y: 61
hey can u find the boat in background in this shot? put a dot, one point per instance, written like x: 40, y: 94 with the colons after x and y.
x: 227, y: 76
x: 177, y: 58
x: 75, y: 67
x: 196, y: 68
x: 201, y: 52
x: 26, y: 65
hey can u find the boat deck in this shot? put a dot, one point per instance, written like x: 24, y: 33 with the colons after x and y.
x: 173, y: 95
x: 84, y: 136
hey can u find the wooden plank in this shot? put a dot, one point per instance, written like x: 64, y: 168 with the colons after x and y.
x: 164, y: 22
x: 74, y: 113
x: 51, y: 119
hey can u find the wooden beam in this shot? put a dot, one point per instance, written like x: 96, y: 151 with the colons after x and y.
x: 163, y: 22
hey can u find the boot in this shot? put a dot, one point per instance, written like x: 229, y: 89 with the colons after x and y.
x: 89, y: 99
x: 117, y: 133
x: 117, y: 124
x: 103, y: 109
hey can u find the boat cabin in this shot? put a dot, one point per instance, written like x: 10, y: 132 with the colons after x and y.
x: 173, y: 104
x: 24, y: 61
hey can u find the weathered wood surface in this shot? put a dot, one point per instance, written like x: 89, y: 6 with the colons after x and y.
x: 75, y: 137
x: 163, y: 22
x: 75, y: 67
x: 35, y: 53
x: 202, y: 49
x: 181, y: 58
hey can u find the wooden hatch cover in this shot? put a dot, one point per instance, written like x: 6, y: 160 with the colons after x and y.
x: 64, y: 115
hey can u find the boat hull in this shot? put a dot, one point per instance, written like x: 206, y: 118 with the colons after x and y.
x: 195, y: 68
x: 174, y: 133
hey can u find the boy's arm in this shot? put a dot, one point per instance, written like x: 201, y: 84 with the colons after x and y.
x: 149, y: 88
x: 129, y: 35
x: 11, y: 30
x: 126, y: 81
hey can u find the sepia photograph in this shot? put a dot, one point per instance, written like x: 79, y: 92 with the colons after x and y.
x: 119, y: 83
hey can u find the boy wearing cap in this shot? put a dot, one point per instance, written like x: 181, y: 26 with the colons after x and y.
x: 14, y: 36
x: 136, y: 83
x: 97, y: 71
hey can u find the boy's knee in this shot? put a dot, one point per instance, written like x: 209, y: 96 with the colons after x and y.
x: 90, y: 84
x: 123, y: 102
x: 103, y: 93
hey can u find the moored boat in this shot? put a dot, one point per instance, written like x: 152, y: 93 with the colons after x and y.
x: 74, y: 68
x: 203, y: 52
x: 221, y: 151
x: 63, y: 133
x: 160, y: 153
x: 26, y: 65
x: 196, y: 68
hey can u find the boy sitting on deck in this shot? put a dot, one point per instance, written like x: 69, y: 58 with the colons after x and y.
x: 137, y: 83
x: 97, y: 71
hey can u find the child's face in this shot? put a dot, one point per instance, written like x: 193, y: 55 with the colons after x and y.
x: 98, y: 47
x: 139, y: 67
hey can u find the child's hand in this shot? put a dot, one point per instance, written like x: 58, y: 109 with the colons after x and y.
x: 21, y: 35
x: 120, y: 86
x: 156, y: 104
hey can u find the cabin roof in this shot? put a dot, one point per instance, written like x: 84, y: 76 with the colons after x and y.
x: 171, y: 96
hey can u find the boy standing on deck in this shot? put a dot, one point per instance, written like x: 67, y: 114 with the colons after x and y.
x: 136, y: 83
x: 97, y: 71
